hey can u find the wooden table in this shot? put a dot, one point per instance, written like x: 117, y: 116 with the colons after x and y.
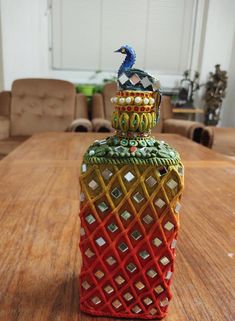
x: 39, y: 232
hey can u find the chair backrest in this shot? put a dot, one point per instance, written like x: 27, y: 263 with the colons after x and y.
x: 166, y: 108
x: 109, y: 91
x: 40, y: 105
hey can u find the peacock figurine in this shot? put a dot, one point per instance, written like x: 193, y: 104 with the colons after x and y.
x: 131, y: 186
x: 131, y: 78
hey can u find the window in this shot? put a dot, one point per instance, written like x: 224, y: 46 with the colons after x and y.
x: 86, y: 32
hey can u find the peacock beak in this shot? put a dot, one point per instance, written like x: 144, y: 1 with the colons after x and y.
x: 118, y: 50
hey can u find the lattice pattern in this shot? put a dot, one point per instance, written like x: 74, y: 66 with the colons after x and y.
x: 129, y: 225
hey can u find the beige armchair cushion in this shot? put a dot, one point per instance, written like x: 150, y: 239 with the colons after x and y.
x: 108, y: 92
x: 40, y: 105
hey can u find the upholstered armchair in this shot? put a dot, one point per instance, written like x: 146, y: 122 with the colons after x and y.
x: 40, y: 105
x: 102, y: 110
x: 220, y: 139
x: 186, y: 128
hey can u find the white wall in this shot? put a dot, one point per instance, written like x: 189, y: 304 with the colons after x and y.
x: 218, y: 43
x: 1, y: 61
x: 23, y: 39
x: 228, y: 111
x: 218, y: 48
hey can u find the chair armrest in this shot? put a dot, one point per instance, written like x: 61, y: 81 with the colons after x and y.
x: 207, y: 137
x: 101, y: 125
x: 4, y: 127
x: 81, y: 108
x: 80, y: 125
x: 97, y: 107
x: 5, y: 103
x: 187, y: 128
x: 220, y: 139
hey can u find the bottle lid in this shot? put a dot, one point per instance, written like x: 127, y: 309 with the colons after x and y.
x: 136, y: 111
x: 137, y: 101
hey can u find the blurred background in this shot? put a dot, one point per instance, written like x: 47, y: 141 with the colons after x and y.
x: 75, y: 39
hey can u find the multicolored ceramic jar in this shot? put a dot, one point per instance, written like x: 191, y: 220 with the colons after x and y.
x: 131, y: 185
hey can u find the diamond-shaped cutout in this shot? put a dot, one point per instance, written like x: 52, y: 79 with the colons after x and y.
x: 108, y: 289
x: 138, y: 197
x: 146, y: 82
x: 102, y: 142
x: 82, y: 231
x: 139, y: 285
x: 129, y: 177
x: 173, y: 244
x: 131, y: 267
x: 84, y: 168
x: 159, y: 289
x: 162, y: 170
x: 136, y: 309
x: 148, y: 219
x: 164, y: 260
x: 112, y: 227
x: 169, y: 226
x: 153, y: 311
x: 172, y: 184
x: 99, y: 274
x: 151, y: 273
x: 144, y: 254
x: 96, y: 300
x: 111, y: 260
x: 148, y: 301
x: 116, y: 192
x: 177, y: 208
x: 151, y: 181
x: 128, y: 296
x: 135, y: 79
x: 119, y: 280
x: 90, y: 219
x: 164, y: 302
x: 125, y: 215
x: 93, y: 184
x: 120, y: 149
x: 100, y: 241
x: 85, y: 285
x: 107, y: 174
x: 168, y: 275
x: 89, y: 253
x: 159, y: 203
x: 180, y: 171
x: 136, y: 235
x: 116, y: 304
x: 157, y: 242
x: 102, y: 207
x: 82, y: 197
x: 123, y: 78
x: 123, y: 247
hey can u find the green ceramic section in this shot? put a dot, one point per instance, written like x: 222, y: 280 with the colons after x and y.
x: 115, y: 150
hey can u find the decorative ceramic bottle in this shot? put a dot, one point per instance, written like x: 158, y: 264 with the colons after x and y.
x: 131, y: 185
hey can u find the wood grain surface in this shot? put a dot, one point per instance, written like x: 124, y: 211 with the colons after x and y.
x: 39, y: 232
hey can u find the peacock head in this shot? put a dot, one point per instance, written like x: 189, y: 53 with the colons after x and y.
x: 126, y: 50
